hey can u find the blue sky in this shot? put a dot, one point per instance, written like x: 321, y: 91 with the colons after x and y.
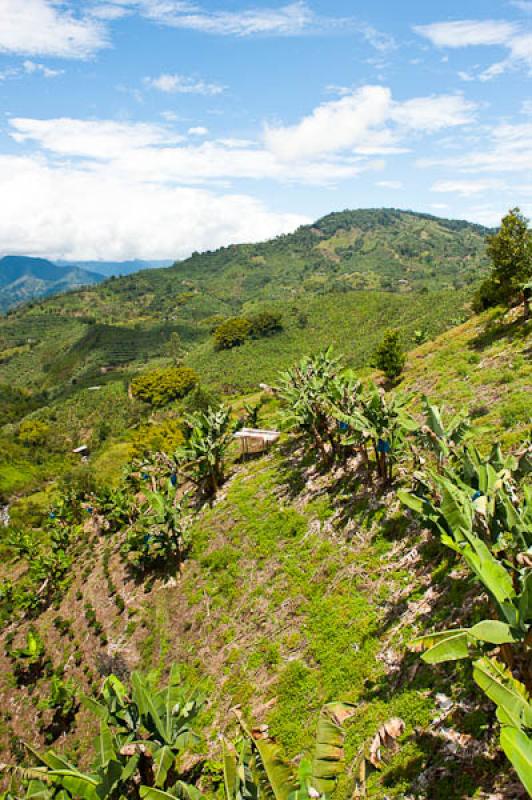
x: 151, y: 128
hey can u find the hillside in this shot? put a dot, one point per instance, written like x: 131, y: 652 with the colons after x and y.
x: 302, y: 586
x: 341, y: 280
x: 23, y: 279
x: 109, y: 268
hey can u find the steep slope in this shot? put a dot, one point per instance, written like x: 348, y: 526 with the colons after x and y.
x: 302, y: 587
x: 23, y: 279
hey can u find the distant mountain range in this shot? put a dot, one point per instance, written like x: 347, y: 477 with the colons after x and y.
x: 23, y: 278
x: 109, y: 268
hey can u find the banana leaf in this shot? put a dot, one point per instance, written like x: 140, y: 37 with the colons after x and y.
x: 504, y: 690
x: 518, y: 749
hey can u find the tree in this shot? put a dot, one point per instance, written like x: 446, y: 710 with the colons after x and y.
x: 33, y: 432
x: 202, y: 459
x: 510, y: 251
x: 174, y: 348
x: 389, y: 356
x: 159, y: 386
x: 232, y: 333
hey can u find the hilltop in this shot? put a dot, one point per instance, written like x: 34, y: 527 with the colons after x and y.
x: 23, y: 279
x: 340, y: 280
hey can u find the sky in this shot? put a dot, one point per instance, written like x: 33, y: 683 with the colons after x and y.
x: 153, y: 128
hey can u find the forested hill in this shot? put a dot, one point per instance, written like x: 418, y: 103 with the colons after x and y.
x: 349, y: 250
x: 341, y: 280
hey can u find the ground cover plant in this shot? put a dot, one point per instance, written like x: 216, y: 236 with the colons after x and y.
x: 368, y: 579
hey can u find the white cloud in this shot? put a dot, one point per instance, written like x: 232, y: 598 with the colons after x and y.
x: 390, y: 184
x: 46, y: 28
x: 434, y: 113
x: 74, y: 214
x: 183, y: 84
x: 468, y: 33
x: 332, y: 126
x: 100, y: 139
x: 30, y: 68
x: 199, y: 130
x: 466, y: 188
x: 508, y: 148
x: 366, y: 121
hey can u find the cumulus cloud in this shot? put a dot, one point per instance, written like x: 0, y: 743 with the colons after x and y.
x: 367, y: 121
x: 94, y: 188
x: 469, y: 33
x: 46, y: 28
x: 70, y: 213
x: 183, y: 84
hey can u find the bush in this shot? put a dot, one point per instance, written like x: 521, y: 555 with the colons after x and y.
x: 390, y: 357
x: 33, y: 432
x: 159, y: 386
x: 232, y: 333
x: 266, y: 323
x: 163, y: 437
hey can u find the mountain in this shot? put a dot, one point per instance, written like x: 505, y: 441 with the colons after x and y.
x: 23, y: 278
x: 109, y: 268
x: 341, y: 280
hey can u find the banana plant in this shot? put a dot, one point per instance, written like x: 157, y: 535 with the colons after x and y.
x: 143, y: 730
x: 202, y: 458
x: 160, y: 535
x: 307, y: 391
x: 443, y: 438
x: 458, y: 518
x: 382, y: 422
x: 514, y: 712
x: 255, y: 767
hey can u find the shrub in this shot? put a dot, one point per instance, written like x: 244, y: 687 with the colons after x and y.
x: 232, y: 333
x: 389, y: 356
x: 266, y: 323
x: 33, y: 432
x: 164, y: 437
x: 159, y: 386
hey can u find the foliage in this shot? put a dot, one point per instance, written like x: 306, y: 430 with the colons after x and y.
x: 231, y: 333
x: 389, y: 356
x: 142, y: 733
x: 480, y: 513
x: 159, y: 537
x: 265, y: 323
x: 202, y: 458
x: 33, y: 432
x: 255, y: 767
x: 164, y: 436
x: 510, y: 251
x: 160, y: 386
x: 442, y: 437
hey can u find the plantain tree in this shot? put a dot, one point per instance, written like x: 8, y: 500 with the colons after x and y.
x: 489, y: 524
x: 380, y: 423
x: 160, y: 534
x: 143, y: 731
x: 255, y: 768
x: 202, y: 459
x: 307, y: 392
x: 440, y: 434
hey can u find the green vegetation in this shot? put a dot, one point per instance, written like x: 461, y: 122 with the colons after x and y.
x: 390, y: 357
x: 384, y: 522
x: 510, y: 251
x: 160, y: 386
